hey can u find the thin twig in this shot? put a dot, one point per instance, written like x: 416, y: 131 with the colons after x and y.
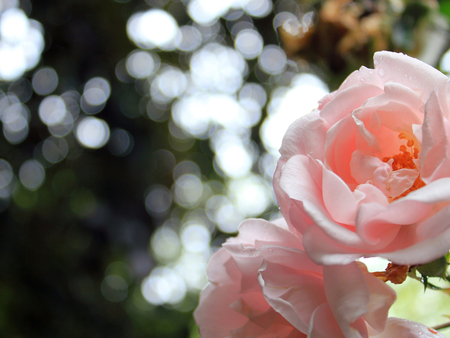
x: 442, y: 326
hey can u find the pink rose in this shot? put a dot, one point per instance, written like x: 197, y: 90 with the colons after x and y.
x: 233, y: 305
x: 368, y: 172
x: 264, y: 285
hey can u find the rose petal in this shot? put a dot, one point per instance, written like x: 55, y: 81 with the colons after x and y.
x: 216, y: 272
x: 363, y: 167
x: 323, y: 324
x: 293, y: 293
x: 291, y: 258
x: 305, y: 136
x: 398, y: 107
x: 347, y: 294
x: 248, y: 260
x: 324, y: 250
x: 362, y: 76
x: 397, y: 327
x: 216, y: 321
x: 257, y: 232
x: 381, y: 298
x: 435, y: 161
x: 338, y: 198
x: 339, y: 147
x: 346, y: 101
x: 279, y: 327
x: 305, y: 194
x: 435, y: 224
x: 412, y: 73
x: 401, y: 180
x: 365, y: 141
x: 423, y: 252
x: 372, y: 195
x: 376, y: 230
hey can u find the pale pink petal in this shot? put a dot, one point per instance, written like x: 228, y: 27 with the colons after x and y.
x: 217, y: 321
x: 248, y: 260
x: 251, y: 305
x: 435, y: 192
x: 291, y: 258
x: 363, y: 167
x: 339, y: 146
x: 222, y: 269
x: 397, y: 327
x: 254, y: 233
x: 281, y: 223
x: 423, y: 252
x: 325, y: 251
x: 381, y: 177
x: 401, y: 180
x: 334, y: 230
x: 376, y: 232
x: 346, y: 101
x: 398, y: 107
x: 305, y: 136
x: 299, y: 216
x: 305, y: 194
x: 327, y: 98
x: 304, y: 189
x: 372, y: 195
x: 323, y: 324
x: 294, y: 294
x: 397, y: 117
x: 435, y: 157
x: 294, y: 216
x: 365, y: 141
x: 435, y: 224
x: 407, y: 210
x: 338, y: 198
x: 381, y: 298
x: 258, y: 232
x: 275, y: 327
x: 347, y: 294
x: 362, y: 76
x: 283, y: 199
x: 411, y: 73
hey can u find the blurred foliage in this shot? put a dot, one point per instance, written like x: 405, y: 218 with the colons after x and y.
x: 57, y: 243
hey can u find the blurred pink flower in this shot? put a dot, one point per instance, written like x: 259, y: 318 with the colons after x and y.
x: 368, y: 172
x: 262, y: 284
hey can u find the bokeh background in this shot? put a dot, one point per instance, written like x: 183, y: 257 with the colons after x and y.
x: 137, y: 135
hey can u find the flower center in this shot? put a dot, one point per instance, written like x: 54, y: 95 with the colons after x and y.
x: 405, y: 160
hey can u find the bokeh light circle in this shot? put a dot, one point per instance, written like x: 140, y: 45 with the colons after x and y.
x: 92, y: 132
x: 163, y: 285
x: 121, y: 142
x: 21, y: 42
x: 141, y: 64
x: 52, y: 110
x: 249, y: 43
x: 32, y: 174
x: 153, y: 28
x: 272, y: 60
x: 45, y: 81
x: 6, y: 174
x: 189, y: 39
x: 158, y: 200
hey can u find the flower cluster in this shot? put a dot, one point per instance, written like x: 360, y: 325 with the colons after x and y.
x: 366, y: 174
